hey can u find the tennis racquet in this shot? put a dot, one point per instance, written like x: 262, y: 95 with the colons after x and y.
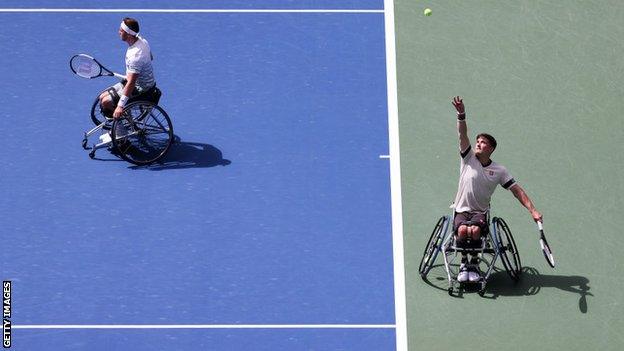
x: 86, y: 66
x: 545, y: 247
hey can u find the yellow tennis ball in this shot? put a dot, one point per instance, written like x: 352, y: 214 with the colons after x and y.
x: 427, y: 12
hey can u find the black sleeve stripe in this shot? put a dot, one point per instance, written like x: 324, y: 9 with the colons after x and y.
x: 509, y: 183
x: 463, y: 154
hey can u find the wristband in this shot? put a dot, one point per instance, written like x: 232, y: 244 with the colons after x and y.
x: 461, y: 116
x: 122, y: 101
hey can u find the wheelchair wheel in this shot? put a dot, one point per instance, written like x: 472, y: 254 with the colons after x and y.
x: 434, y: 245
x: 143, y: 134
x: 96, y: 112
x: 508, y: 249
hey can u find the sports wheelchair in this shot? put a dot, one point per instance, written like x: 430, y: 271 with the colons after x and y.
x: 142, y: 135
x: 496, y: 242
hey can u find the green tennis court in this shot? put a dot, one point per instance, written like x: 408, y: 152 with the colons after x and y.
x: 545, y: 78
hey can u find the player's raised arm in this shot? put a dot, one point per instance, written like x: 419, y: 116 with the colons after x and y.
x: 462, y: 128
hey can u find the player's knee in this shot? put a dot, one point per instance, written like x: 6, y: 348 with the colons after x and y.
x: 462, y: 232
x: 105, y: 101
x: 475, y: 232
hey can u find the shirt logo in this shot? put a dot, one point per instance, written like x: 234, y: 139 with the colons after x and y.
x: 491, y: 173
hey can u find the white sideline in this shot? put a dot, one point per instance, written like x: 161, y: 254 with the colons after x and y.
x: 130, y: 10
x: 206, y: 326
x: 395, y: 180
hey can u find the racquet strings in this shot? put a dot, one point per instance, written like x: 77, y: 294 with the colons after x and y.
x: 85, y: 66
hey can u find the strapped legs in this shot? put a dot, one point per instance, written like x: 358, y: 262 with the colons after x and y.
x: 108, y: 100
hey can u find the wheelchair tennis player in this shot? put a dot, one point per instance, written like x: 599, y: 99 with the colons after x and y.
x: 132, y: 124
x: 478, y: 178
x: 139, y: 83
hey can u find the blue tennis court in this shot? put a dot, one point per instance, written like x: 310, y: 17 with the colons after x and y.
x: 268, y: 226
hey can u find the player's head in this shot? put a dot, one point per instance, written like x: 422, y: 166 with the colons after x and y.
x: 129, y: 28
x: 486, y: 144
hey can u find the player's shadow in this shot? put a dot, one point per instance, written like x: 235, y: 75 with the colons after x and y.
x: 532, y: 281
x: 186, y: 154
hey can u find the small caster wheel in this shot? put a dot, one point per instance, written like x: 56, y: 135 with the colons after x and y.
x: 450, y: 291
x: 84, y: 144
x: 92, y: 154
x: 481, y: 292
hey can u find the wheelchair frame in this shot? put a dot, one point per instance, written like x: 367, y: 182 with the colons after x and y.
x: 135, y: 120
x: 497, y: 243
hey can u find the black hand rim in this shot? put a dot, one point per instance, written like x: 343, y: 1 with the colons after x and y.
x: 432, y: 248
x: 506, y: 244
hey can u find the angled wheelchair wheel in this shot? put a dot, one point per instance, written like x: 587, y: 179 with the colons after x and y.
x: 144, y: 133
x: 434, y: 246
x: 96, y: 112
x: 507, y: 249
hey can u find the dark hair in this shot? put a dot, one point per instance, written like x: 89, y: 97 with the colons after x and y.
x: 489, y: 138
x: 132, y: 24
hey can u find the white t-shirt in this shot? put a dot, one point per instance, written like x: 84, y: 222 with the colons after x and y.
x: 477, y: 183
x: 139, y: 60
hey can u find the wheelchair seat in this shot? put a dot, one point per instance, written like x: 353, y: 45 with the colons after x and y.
x: 469, y: 244
x: 150, y: 95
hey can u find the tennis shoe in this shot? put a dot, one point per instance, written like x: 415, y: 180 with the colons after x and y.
x: 473, y: 275
x: 463, y: 275
x: 105, y: 138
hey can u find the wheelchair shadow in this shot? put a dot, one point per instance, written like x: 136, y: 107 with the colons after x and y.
x: 532, y: 281
x: 185, y: 154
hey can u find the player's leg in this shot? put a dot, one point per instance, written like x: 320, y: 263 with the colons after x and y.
x: 109, y: 99
x: 461, y: 229
x: 463, y: 232
x: 477, y: 227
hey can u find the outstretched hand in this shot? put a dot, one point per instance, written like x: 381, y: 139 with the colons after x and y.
x: 537, y: 216
x: 459, y: 104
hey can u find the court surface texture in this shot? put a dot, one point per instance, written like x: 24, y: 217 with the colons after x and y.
x: 268, y: 225
x: 543, y: 77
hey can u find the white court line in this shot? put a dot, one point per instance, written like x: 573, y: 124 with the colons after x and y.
x: 207, y: 326
x: 395, y: 180
x: 67, y: 10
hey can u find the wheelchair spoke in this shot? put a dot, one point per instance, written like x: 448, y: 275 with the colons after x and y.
x: 160, y: 124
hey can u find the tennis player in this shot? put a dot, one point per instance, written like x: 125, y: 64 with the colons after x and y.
x: 478, y: 178
x: 139, y: 73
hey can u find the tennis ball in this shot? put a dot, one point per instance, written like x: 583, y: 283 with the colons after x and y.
x: 427, y: 12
